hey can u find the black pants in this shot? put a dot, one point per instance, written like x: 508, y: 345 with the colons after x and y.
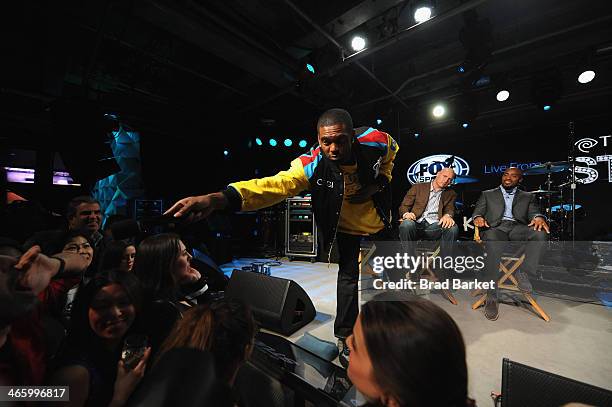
x: 410, y: 231
x: 512, y: 231
x: 347, y: 298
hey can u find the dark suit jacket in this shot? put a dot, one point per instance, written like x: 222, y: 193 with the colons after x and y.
x: 491, y: 205
x: 417, y: 197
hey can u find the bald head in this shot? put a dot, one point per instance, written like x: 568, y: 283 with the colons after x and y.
x: 444, y: 177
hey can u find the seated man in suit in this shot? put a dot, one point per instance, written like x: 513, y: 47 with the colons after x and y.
x: 508, y: 214
x: 427, y: 212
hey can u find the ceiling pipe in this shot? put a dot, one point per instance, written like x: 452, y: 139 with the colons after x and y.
x: 230, y: 28
x: 341, y: 49
x: 168, y: 62
x: 494, y: 53
x: 403, y: 34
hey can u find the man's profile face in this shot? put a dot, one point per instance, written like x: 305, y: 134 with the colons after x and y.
x: 335, y: 142
x: 444, y: 177
x: 88, y: 218
x: 511, y: 178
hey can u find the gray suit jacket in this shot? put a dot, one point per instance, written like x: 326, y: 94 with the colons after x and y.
x: 491, y: 205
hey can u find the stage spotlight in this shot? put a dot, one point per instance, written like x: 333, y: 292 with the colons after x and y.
x: 416, y: 135
x: 503, y: 95
x: 310, y: 68
x: 546, y: 107
x: 586, y: 76
x: 438, y: 111
x: 358, y: 43
x: 465, y: 125
x: 422, y: 14
x: 378, y: 121
x: 288, y: 142
x: 226, y: 152
x: 273, y: 142
x: 302, y: 143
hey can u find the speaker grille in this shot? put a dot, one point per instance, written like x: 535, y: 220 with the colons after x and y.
x: 527, y: 386
x: 262, y: 294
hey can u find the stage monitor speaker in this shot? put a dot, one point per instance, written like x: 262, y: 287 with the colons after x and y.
x: 278, y: 304
x: 524, y: 385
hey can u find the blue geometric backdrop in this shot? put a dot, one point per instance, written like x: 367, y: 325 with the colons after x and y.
x: 114, y: 191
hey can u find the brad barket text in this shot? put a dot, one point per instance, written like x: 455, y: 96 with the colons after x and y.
x: 424, y: 284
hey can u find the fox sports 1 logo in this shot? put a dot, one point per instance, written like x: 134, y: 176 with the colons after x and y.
x: 425, y: 169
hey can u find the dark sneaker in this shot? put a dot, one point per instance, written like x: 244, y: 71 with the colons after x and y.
x: 491, y: 309
x: 523, y: 281
x: 343, y: 353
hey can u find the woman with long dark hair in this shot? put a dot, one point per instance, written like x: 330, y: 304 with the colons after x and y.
x: 163, y: 265
x: 118, y: 255
x: 172, y: 286
x: 90, y: 362
x: 408, y: 353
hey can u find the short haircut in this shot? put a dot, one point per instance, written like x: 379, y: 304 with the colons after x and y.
x: 335, y: 116
x: 515, y: 168
x: 71, y: 209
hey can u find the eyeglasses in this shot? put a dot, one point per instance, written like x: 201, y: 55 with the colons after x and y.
x: 74, y: 247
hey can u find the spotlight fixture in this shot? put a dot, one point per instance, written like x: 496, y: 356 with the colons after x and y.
x: 226, y: 152
x: 310, y: 68
x: 465, y: 125
x: 438, y: 111
x: 288, y: 142
x: 258, y: 141
x: 416, y: 135
x: 586, y: 76
x: 502, y: 95
x: 378, y: 121
x: 422, y: 14
x: 273, y: 142
x: 302, y: 143
x: 546, y: 108
x: 358, y: 43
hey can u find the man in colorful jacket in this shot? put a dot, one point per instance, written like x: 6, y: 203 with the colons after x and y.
x: 348, y: 175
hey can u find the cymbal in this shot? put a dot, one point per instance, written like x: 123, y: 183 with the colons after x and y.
x: 543, y: 191
x: 547, y: 168
x: 464, y: 179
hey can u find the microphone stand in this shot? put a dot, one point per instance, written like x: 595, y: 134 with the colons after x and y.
x: 572, y: 159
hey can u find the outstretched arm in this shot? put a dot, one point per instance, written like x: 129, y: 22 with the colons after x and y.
x: 244, y: 195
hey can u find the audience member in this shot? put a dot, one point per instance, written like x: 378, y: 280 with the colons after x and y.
x: 104, y: 311
x: 83, y: 214
x: 171, y: 285
x: 224, y: 328
x: 408, y: 353
x: 23, y: 351
x: 118, y: 255
x: 78, y: 243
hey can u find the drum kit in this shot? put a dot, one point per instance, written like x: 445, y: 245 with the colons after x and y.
x: 557, y: 201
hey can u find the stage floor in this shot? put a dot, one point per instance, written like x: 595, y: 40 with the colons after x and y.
x: 576, y: 343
